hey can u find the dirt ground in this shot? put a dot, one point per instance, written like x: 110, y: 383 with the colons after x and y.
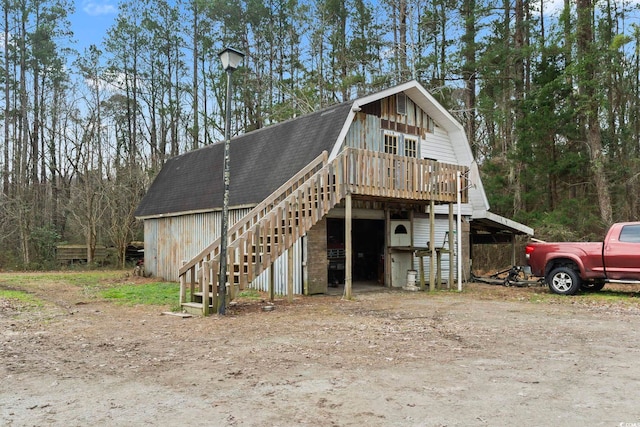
x: 490, y: 356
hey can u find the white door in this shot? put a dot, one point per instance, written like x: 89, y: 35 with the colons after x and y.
x: 401, y: 262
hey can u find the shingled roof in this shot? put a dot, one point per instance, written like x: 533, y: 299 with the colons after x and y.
x: 260, y: 162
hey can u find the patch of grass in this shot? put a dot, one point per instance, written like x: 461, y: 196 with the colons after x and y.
x: 251, y: 294
x: 156, y: 293
x: 73, y: 278
x: 612, y: 294
x: 90, y: 282
x: 606, y: 296
x: 19, y: 300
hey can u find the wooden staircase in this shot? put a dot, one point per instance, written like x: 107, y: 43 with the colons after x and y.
x: 274, y: 225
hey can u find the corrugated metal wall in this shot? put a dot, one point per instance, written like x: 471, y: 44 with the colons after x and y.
x: 364, y: 133
x: 168, y: 241
x: 280, y: 272
x: 421, y: 237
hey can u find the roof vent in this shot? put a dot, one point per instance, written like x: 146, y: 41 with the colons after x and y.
x: 401, y: 103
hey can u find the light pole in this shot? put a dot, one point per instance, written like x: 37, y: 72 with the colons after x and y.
x: 230, y: 59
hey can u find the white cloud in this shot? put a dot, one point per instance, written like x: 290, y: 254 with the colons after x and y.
x: 94, y: 8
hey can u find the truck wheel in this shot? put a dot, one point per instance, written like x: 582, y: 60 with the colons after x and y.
x: 563, y: 281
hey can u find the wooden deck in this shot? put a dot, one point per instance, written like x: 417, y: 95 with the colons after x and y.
x: 273, y: 226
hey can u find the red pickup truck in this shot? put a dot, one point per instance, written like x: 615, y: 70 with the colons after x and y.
x: 571, y: 266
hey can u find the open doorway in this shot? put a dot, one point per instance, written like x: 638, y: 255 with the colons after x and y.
x: 367, y: 252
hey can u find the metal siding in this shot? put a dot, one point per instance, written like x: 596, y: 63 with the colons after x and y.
x: 170, y: 240
x: 365, y: 133
x: 151, y: 246
x: 411, y: 112
x: 354, y: 138
x: 373, y: 135
x: 280, y: 273
x: 421, y: 237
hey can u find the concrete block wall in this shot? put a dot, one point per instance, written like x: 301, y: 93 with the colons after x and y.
x: 317, y: 262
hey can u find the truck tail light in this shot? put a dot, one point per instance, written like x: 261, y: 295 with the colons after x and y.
x: 528, y: 250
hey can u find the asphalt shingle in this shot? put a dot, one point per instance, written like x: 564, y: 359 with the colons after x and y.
x: 260, y: 161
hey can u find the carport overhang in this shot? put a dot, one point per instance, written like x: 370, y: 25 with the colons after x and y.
x: 489, y: 228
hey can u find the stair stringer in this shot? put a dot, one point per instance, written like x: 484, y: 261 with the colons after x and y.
x: 264, y: 234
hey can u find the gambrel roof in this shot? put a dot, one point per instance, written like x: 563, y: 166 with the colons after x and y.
x: 263, y: 160
x: 260, y: 161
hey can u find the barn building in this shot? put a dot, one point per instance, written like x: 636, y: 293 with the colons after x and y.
x: 367, y: 191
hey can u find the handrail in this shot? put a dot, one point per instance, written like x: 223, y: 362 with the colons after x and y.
x: 259, y: 210
x: 356, y: 171
x: 373, y: 173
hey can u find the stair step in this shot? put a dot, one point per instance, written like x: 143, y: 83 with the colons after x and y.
x: 199, y: 294
x: 266, y: 232
x: 194, y: 308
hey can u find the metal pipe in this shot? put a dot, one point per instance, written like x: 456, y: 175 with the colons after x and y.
x: 224, y: 227
x: 459, y: 230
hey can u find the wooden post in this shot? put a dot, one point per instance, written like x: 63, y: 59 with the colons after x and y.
x: 432, y: 246
x: 272, y: 278
x: 259, y: 253
x: 387, y: 249
x: 421, y: 258
x: 231, y: 284
x: 290, y: 274
x: 183, y: 286
x: 242, y: 250
x: 438, y: 269
x: 347, y: 247
x: 192, y: 284
x: 450, y: 243
x: 215, y: 266
x: 205, y: 277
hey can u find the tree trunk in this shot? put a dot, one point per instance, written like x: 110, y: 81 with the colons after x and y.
x: 588, y: 58
x: 7, y: 104
x: 469, y: 70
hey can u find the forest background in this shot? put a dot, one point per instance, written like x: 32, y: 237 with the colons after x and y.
x: 548, y: 94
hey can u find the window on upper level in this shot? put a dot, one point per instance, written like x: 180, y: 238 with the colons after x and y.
x: 390, y: 143
x: 400, y: 144
x: 410, y: 147
x: 401, y: 104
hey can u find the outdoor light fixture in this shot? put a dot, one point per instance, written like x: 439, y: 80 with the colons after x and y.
x: 230, y: 59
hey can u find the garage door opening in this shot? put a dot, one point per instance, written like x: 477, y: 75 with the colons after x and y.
x: 367, y: 252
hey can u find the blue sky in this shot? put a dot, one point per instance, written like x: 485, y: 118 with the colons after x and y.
x: 91, y: 21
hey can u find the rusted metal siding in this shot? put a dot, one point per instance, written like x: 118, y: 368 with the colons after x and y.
x: 170, y: 240
x: 365, y: 133
x: 367, y: 130
x: 280, y: 272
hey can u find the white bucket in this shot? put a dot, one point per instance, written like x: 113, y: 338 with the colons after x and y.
x: 411, y: 277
